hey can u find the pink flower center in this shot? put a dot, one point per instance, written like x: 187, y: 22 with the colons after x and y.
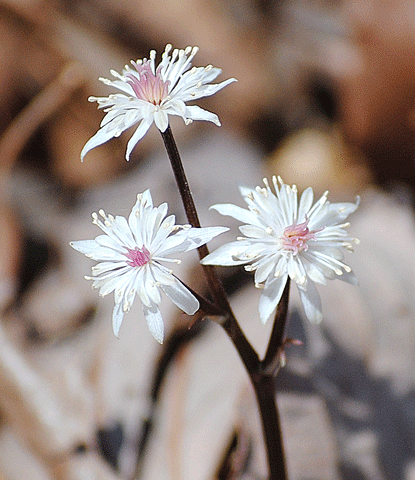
x: 149, y: 87
x: 138, y: 257
x: 295, y: 237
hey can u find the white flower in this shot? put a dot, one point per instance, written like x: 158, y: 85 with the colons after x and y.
x: 130, y: 252
x: 284, y: 238
x: 152, y: 94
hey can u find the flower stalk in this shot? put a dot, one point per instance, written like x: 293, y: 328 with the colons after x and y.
x: 265, y: 390
x: 272, y: 360
x: 213, y: 280
x: 263, y: 382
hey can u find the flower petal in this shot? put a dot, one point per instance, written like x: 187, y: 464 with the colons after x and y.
x: 265, y: 268
x: 105, y: 254
x: 314, y: 272
x: 227, y: 255
x: 349, y: 277
x: 196, y: 113
x: 197, y: 237
x: 138, y: 135
x: 239, y: 213
x: 334, y: 213
x: 253, y: 231
x: 154, y: 322
x: 204, y: 90
x: 271, y: 296
x: 117, y: 318
x: 311, y: 301
x: 102, y: 136
x: 84, y: 246
x: 182, y: 297
x: 161, y: 119
x: 306, y: 201
x: 176, y: 107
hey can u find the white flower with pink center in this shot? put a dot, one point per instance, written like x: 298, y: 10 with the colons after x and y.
x: 151, y: 94
x: 286, y: 238
x: 131, y: 252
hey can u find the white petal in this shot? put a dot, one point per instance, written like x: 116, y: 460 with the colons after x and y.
x: 205, y: 90
x: 162, y: 275
x: 120, y: 232
x: 306, y: 201
x: 161, y: 119
x: 181, y: 297
x: 343, y: 210
x: 227, y: 254
x: 239, y: 213
x: 171, y: 245
x: 199, y: 236
x: 196, y: 113
x: 295, y: 269
x: 310, y: 299
x: 142, y: 285
x: 163, y: 240
x: 207, y: 76
x: 148, y: 222
x: 328, y: 251
x: 151, y: 286
x: 333, y: 214
x: 349, y: 278
x: 106, y: 241
x: 105, y: 254
x: 137, y: 219
x: 102, y: 136
x: 138, y: 135
x: 113, y: 280
x: 314, y: 272
x: 254, y: 250
x: 264, y: 269
x: 176, y: 107
x: 145, y: 199
x: 103, y: 267
x: 84, y: 246
x: 125, y: 286
x: 253, y: 231
x: 193, y: 81
x: 117, y: 318
x: 270, y: 297
x: 121, y: 85
x: 154, y: 322
x: 281, y: 267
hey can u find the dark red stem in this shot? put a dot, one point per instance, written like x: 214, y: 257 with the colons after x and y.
x: 262, y: 381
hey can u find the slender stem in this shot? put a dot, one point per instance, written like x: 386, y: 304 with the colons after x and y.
x: 212, y: 277
x: 245, y: 350
x: 277, y: 334
x: 180, y: 177
x: 264, y: 386
x: 262, y: 381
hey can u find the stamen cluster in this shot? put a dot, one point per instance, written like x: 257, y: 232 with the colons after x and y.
x: 148, y: 86
x: 295, y: 237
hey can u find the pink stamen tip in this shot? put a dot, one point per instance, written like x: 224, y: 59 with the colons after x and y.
x: 295, y: 237
x: 149, y: 87
x: 138, y: 257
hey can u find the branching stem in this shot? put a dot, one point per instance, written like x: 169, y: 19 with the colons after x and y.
x: 262, y: 380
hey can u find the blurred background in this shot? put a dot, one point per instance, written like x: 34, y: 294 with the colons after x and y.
x: 325, y: 98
